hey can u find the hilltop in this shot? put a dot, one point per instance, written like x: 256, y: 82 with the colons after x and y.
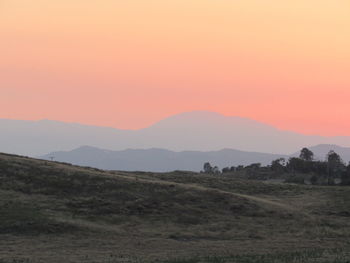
x: 56, y: 212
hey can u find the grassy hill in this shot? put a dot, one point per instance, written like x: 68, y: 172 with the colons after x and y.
x: 55, y: 212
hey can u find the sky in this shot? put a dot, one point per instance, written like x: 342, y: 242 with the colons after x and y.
x: 128, y: 64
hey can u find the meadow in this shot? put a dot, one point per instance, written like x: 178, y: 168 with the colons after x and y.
x: 56, y: 212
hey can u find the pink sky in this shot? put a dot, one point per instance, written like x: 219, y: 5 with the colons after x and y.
x: 128, y: 64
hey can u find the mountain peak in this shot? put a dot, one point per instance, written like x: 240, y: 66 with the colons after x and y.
x: 189, y: 131
x: 207, y: 120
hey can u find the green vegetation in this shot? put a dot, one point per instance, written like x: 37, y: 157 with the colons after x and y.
x: 55, y: 212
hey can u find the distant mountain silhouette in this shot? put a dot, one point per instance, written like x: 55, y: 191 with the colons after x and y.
x: 158, y: 160
x: 193, y: 131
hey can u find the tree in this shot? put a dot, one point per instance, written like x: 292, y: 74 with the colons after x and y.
x: 345, y: 176
x: 240, y: 168
x: 278, y: 165
x: 215, y: 170
x: 320, y: 168
x: 254, y: 166
x: 231, y: 169
x: 226, y: 170
x: 252, y: 170
x: 207, y: 168
x: 335, y: 166
x: 333, y: 157
x: 300, y: 165
x: 306, y: 155
x: 314, y: 179
x: 296, y: 165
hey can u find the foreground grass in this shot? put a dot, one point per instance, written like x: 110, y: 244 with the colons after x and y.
x: 313, y: 256
x: 54, y: 212
x: 307, y: 256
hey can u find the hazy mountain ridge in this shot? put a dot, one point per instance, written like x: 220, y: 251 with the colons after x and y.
x: 193, y: 131
x: 160, y: 160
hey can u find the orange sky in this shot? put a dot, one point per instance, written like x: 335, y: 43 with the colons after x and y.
x: 130, y: 63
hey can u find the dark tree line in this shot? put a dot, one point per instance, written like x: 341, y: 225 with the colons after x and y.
x: 319, y: 172
x: 323, y: 172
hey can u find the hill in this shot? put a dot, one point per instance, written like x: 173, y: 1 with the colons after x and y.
x: 158, y: 160
x: 192, y: 131
x: 55, y: 212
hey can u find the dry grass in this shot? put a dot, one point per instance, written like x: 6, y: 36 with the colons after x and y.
x: 54, y: 212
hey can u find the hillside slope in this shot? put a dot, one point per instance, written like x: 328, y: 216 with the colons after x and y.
x: 54, y: 212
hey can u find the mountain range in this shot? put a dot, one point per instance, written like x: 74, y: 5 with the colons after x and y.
x: 157, y: 160
x: 192, y: 131
x: 160, y: 160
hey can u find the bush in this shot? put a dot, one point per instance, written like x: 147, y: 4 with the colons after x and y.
x: 295, y: 179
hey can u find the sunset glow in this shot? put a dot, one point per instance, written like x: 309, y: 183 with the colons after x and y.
x: 128, y: 64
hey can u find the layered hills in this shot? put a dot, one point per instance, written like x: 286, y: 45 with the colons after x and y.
x: 193, y: 131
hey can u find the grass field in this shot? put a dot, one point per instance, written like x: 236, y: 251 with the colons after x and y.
x: 54, y: 212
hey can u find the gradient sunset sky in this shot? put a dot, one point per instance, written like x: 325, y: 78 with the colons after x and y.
x: 130, y: 63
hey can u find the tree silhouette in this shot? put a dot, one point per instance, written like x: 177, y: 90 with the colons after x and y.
x: 278, y: 165
x: 335, y: 165
x: 306, y: 154
x: 207, y: 168
x: 345, y: 179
